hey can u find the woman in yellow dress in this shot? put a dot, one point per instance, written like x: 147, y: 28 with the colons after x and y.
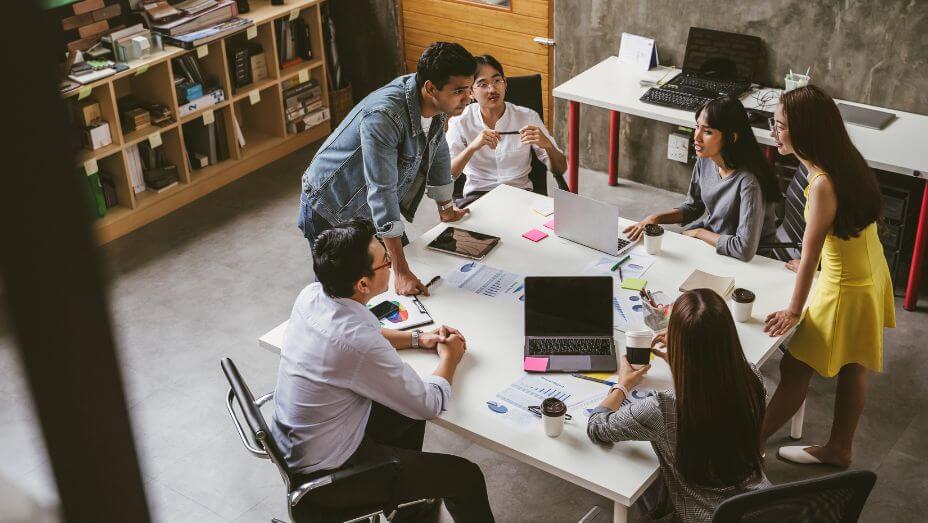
x: 842, y: 330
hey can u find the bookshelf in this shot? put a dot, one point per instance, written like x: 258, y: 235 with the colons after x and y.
x: 257, y: 108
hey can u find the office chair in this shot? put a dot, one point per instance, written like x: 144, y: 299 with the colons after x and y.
x: 835, y: 498
x: 524, y: 91
x: 789, y: 231
x: 260, y: 443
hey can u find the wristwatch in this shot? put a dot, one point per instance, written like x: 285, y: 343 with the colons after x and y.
x: 622, y: 388
x: 415, y: 338
x: 446, y: 206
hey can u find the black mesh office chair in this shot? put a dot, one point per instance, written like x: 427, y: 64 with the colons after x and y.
x: 526, y: 92
x: 835, y: 498
x: 260, y: 443
x: 790, y: 230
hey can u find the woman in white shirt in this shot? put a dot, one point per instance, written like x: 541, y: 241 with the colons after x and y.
x: 491, y: 140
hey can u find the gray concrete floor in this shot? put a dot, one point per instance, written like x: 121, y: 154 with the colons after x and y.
x: 204, y: 282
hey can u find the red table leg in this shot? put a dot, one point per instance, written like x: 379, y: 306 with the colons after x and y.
x: 613, y: 148
x: 573, y: 146
x: 918, y: 255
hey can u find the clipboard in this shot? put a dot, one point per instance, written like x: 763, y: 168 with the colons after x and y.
x: 411, y: 314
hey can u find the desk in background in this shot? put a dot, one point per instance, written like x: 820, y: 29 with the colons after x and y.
x: 494, y: 331
x: 899, y: 148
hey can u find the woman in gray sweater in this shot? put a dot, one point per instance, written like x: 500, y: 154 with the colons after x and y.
x: 705, y: 430
x: 731, y: 199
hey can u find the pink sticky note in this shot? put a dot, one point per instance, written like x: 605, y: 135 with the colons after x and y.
x: 549, y: 224
x: 535, y: 235
x: 535, y: 364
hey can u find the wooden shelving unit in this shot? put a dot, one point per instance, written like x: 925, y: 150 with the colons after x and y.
x: 261, y: 121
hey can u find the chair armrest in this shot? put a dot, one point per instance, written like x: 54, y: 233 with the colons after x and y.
x: 261, y: 453
x: 389, y: 466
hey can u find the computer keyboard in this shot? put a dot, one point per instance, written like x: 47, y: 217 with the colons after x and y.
x: 622, y: 243
x: 576, y: 346
x: 677, y: 100
x: 722, y: 87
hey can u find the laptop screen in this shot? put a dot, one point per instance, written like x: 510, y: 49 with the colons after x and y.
x: 723, y: 56
x: 568, y: 306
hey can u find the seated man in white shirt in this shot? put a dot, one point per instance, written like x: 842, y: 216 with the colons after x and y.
x: 491, y: 140
x: 344, y: 397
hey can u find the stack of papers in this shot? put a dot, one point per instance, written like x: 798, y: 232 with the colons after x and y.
x: 722, y: 285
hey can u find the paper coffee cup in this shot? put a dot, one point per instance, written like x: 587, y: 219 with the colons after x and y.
x: 653, y: 234
x: 795, y: 81
x: 742, y: 304
x: 638, y: 347
x: 553, y: 412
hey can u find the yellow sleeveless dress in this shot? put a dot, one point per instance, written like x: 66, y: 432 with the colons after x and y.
x: 851, y: 304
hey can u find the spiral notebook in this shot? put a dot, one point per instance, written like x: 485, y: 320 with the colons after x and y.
x: 411, y: 314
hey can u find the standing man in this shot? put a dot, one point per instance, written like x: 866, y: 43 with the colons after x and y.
x: 390, y: 151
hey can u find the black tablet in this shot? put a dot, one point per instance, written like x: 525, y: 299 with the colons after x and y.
x: 461, y: 242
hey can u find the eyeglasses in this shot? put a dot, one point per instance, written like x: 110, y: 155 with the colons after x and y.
x: 497, y: 83
x: 775, y: 127
x: 388, y: 263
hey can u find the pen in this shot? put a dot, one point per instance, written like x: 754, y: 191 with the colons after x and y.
x: 433, y: 280
x: 620, y: 262
x: 621, y: 278
x: 509, y: 132
x: 590, y: 378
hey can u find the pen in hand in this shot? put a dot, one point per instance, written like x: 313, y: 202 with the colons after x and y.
x: 433, y: 280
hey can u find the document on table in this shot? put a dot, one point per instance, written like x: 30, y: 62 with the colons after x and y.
x: 627, y: 310
x: 635, y: 267
x: 410, y: 311
x: 585, y: 408
x: 487, y: 281
x: 531, y: 389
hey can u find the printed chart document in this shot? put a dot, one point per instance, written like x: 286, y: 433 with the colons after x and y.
x: 628, y: 311
x: 411, y: 312
x: 487, y: 281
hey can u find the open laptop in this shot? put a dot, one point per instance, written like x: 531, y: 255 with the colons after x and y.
x: 589, y: 222
x: 568, y: 320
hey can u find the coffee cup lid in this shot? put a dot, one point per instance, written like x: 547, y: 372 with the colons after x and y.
x: 553, y: 407
x: 742, y: 295
x: 638, y: 338
x: 653, y: 229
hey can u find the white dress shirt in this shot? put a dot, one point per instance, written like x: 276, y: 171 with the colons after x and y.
x: 510, y: 163
x: 333, y: 362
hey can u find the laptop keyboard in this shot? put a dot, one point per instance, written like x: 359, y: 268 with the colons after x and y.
x: 574, y: 346
x: 623, y: 243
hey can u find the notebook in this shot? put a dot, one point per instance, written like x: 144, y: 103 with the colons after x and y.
x: 722, y: 285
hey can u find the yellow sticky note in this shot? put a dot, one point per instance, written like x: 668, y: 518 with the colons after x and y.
x: 84, y: 92
x: 633, y: 284
x: 254, y: 96
x: 90, y: 166
x: 209, y: 117
x: 294, y: 14
x: 154, y: 140
x: 141, y: 70
x: 202, y: 51
x: 304, y: 76
x: 251, y: 32
x: 608, y: 376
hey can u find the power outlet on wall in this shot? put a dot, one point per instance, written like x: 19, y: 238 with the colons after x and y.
x: 678, y: 145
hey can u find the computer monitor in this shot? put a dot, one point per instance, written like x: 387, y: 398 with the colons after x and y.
x: 723, y: 56
x: 568, y: 306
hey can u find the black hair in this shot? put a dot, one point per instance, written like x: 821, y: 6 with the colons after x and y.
x: 486, y: 59
x: 341, y: 256
x: 442, y: 60
x: 728, y: 116
x: 817, y: 132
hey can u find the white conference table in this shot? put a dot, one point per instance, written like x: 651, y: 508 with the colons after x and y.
x: 494, y: 332
x: 613, y: 85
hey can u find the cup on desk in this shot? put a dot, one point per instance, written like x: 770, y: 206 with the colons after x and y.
x: 638, y: 347
x: 795, y: 81
x: 553, y: 412
x: 653, y: 234
x: 742, y: 304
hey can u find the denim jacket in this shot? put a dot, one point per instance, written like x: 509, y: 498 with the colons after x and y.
x: 366, y: 166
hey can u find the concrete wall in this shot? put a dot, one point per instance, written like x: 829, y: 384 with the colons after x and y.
x: 368, y: 38
x: 867, y: 51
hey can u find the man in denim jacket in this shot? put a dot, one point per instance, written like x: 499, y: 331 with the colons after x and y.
x: 390, y: 151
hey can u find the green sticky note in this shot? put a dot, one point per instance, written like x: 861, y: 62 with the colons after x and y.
x: 633, y: 284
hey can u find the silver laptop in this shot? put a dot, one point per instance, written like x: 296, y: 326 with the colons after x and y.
x: 589, y: 222
x: 870, y: 118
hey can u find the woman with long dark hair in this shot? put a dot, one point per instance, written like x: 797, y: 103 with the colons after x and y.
x: 704, y: 430
x: 842, y: 331
x: 732, y: 184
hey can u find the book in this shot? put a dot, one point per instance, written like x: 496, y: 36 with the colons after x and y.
x: 722, y: 285
x: 193, y: 21
x: 204, y: 36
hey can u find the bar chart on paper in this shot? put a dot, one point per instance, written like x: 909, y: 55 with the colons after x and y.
x: 487, y: 281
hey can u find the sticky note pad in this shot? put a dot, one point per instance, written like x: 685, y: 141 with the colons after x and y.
x: 251, y: 32
x: 634, y: 284
x: 549, y: 224
x: 535, y: 364
x: 535, y: 235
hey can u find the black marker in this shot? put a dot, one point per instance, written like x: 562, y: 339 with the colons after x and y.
x: 433, y: 280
